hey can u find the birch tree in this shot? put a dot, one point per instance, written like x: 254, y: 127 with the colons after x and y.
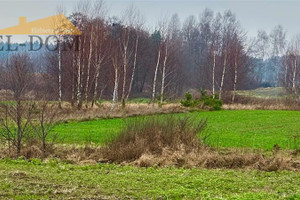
x: 156, y: 37
x: 215, y: 48
x: 229, y: 28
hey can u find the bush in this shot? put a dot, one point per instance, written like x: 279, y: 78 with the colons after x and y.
x: 206, y: 101
x: 212, y: 103
x: 153, y: 135
x: 188, y: 102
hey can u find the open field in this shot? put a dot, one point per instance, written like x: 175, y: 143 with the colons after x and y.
x: 34, y: 180
x: 271, y: 92
x: 228, y: 128
x: 58, y: 179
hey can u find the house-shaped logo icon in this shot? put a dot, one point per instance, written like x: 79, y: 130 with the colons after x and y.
x: 54, y: 25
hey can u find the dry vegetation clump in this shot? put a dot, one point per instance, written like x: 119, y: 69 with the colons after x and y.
x: 71, y: 154
x: 152, y: 135
x: 181, y: 142
x: 213, y: 159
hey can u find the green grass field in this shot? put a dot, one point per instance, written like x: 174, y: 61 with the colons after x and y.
x: 34, y: 180
x: 21, y: 179
x: 243, y: 128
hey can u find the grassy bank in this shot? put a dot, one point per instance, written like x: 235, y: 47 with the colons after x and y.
x: 239, y: 128
x: 35, y: 180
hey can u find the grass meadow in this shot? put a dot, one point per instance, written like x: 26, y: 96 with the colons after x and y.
x: 20, y: 179
x: 227, y: 128
x: 255, y: 129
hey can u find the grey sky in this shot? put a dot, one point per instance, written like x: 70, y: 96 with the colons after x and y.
x: 253, y: 15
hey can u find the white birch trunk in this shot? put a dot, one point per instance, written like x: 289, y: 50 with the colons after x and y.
x: 125, y: 65
x: 213, y: 74
x: 285, y: 72
x: 223, y: 74
x: 88, y: 69
x: 59, y: 72
x: 78, y: 95
x: 134, y: 65
x: 294, y: 76
x: 95, y: 87
x: 73, y: 78
x: 235, y: 76
x: 116, y: 83
x: 155, y: 76
x: 163, y: 75
x: 124, y: 75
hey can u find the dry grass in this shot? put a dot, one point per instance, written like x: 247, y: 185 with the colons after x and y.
x: 175, y: 142
x: 209, y: 158
x: 181, y: 156
x: 152, y: 135
x: 254, y: 103
x: 107, y: 110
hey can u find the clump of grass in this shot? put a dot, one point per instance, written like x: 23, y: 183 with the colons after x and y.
x: 151, y: 135
x: 180, y: 141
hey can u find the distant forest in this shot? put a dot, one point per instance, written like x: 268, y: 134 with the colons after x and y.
x: 118, y: 58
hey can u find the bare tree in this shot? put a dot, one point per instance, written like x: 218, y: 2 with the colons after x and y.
x: 46, y: 121
x: 293, y: 63
x: 229, y: 28
x: 165, y: 35
x: 215, y: 47
x: 15, y: 118
x: 278, y: 44
x: 103, y: 53
x: 136, y: 21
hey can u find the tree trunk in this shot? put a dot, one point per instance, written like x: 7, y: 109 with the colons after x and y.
x: 88, y: 69
x: 73, y: 100
x: 95, y: 87
x: 78, y: 95
x: 213, y: 74
x: 125, y: 63
x: 286, y: 73
x: 134, y: 65
x: 59, y: 73
x: 223, y: 75
x: 155, y: 77
x: 294, y: 76
x: 116, y: 82
x: 19, y: 127
x: 124, y: 76
x: 115, y: 94
x: 163, y: 75
x: 235, y: 76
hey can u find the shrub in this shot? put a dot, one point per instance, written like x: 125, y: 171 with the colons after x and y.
x: 152, y: 135
x: 212, y: 103
x: 206, y: 101
x: 188, y: 102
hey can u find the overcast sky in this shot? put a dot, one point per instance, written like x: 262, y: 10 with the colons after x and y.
x: 253, y: 15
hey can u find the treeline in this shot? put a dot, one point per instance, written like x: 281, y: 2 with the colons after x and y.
x: 118, y: 58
